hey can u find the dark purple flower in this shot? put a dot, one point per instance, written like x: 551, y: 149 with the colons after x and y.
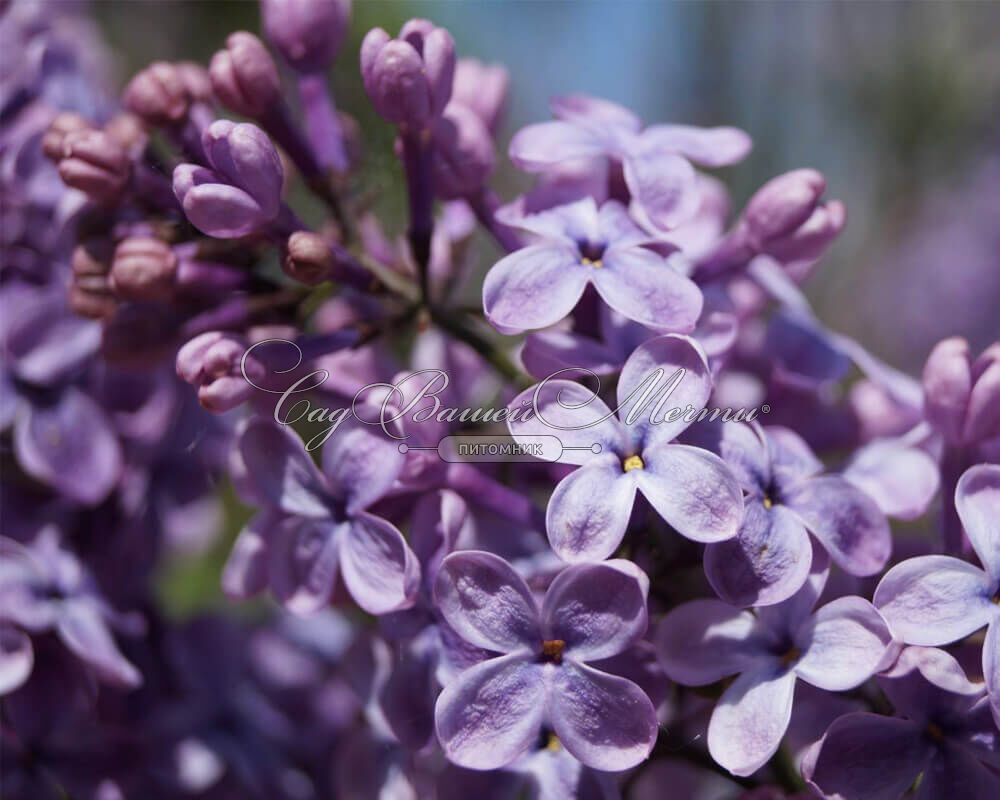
x: 43, y: 587
x: 241, y: 193
x: 942, y: 735
x: 692, y: 489
x: 787, y: 498
x: 657, y: 172
x: 835, y: 648
x: 580, y: 245
x: 493, y: 712
x: 314, y: 524
x: 934, y: 600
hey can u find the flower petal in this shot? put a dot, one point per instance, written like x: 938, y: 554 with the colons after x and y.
x: 842, y: 644
x: 703, y: 641
x: 957, y: 773
x: 534, y: 287
x: 693, y: 490
x: 604, y: 721
x: 584, y: 108
x: 868, y: 755
x: 977, y: 500
x: 303, y: 561
x: 991, y: 668
x: 902, y: 480
x: 673, y: 373
x: 223, y: 211
x: 589, y: 510
x: 544, y: 144
x: 379, y: 568
x: 598, y: 610
x: 711, y: 147
x: 547, y: 352
x: 574, y: 414
x: 83, y: 631
x: 933, y: 600
x: 70, y: 446
x: 361, y: 461
x: 245, y: 572
x: 647, y: 288
x: 491, y: 713
x: 765, y: 563
x: 664, y: 188
x: 16, y: 658
x: 486, y: 602
x: 751, y: 718
x: 281, y: 471
x: 847, y: 521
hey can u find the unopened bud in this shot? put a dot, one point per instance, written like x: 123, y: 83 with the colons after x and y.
x: 96, y: 164
x: 244, y: 76
x: 144, y: 268
x: 64, y: 123
x: 90, y: 293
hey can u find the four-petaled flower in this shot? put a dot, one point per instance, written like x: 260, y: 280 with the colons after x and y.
x: 493, y: 712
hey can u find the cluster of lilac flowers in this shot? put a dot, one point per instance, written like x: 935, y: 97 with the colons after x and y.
x: 683, y: 601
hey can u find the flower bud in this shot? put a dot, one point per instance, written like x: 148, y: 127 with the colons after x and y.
x: 962, y: 396
x: 312, y: 259
x: 244, y: 76
x: 90, y: 293
x: 307, y: 33
x: 464, y: 156
x: 127, y: 130
x: 64, y: 123
x: 810, y: 240
x: 482, y: 88
x: 213, y: 362
x: 144, y: 268
x: 96, y: 164
x: 242, y: 190
x: 409, y: 79
x: 782, y: 204
x: 162, y: 93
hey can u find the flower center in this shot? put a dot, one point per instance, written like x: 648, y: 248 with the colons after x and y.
x: 552, y: 651
x: 632, y: 462
x: 552, y: 744
x: 768, y: 502
x: 935, y: 732
x: 591, y: 253
x: 791, y: 656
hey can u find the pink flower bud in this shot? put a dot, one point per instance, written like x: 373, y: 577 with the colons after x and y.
x: 96, y: 164
x: 144, y: 268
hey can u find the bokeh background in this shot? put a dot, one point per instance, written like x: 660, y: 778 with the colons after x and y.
x: 897, y: 103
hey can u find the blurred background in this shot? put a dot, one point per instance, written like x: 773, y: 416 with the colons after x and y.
x: 897, y: 103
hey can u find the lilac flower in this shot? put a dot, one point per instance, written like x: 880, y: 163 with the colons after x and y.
x: 692, y: 489
x: 962, y: 394
x: 934, y: 600
x: 580, y: 245
x: 942, y: 736
x: 307, y: 33
x: 657, y: 172
x: 492, y: 713
x: 787, y: 501
x: 314, y: 524
x: 43, y: 587
x: 241, y: 192
x: 214, y: 362
x: 481, y: 88
x: 835, y: 648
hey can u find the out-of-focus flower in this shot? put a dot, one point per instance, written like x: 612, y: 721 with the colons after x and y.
x: 655, y: 161
x: 692, y: 489
x: 307, y: 33
x: 241, y: 192
x: 482, y: 88
x: 95, y: 163
x: 244, y: 76
x: 408, y: 79
x: 941, y: 736
x: 492, y: 713
x: 580, y: 245
x: 962, y: 394
x: 162, y: 93
x: 835, y: 648
x: 43, y: 587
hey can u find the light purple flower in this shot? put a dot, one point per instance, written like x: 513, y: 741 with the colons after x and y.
x: 482, y: 88
x: 242, y: 191
x: 942, y: 732
x: 692, y: 489
x: 935, y: 600
x: 580, y: 245
x: 835, y: 648
x: 307, y: 33
x: 962, y: 394
x: 493, y: 712
x: 314, y: 524
x: 787, y: 499
x: 655, y: 161
x: 44, y: 588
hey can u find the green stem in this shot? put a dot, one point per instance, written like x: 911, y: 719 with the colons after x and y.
x: 464, y: 331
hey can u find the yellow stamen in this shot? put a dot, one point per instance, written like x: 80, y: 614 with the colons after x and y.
x: 632, y: 462
x: 553, y: 744
x: 768, y: 502
x: 588, y: 262
x: 791, y: 656
x: 552, y: 649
